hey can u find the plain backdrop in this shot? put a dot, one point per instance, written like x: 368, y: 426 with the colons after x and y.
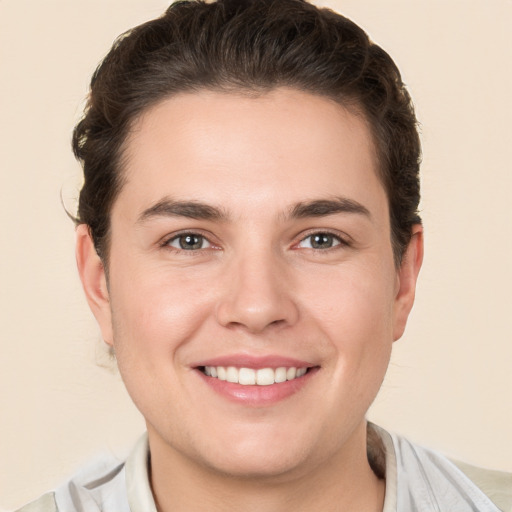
x: 450, y: 381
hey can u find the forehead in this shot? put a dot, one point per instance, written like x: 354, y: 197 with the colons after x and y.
x: 226, y: 147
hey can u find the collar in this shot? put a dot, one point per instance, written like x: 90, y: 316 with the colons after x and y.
x: 141, y: 497
x: 138, y: 486
x: 417, y: 479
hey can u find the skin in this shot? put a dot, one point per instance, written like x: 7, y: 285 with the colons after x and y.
x: 256, y: 286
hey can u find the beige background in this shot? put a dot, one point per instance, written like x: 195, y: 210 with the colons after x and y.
x: 450, y: 381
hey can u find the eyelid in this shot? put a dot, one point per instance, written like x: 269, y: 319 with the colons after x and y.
x: 343, y: 239
x: 203, y: 240
x: 165, y: 241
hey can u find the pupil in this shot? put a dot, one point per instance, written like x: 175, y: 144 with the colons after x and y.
x: 189, y: 242
x: 321, y: 241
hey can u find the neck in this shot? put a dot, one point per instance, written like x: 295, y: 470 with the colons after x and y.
x: 342, y: 482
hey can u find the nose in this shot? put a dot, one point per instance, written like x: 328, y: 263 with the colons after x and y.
x: 258, y: 295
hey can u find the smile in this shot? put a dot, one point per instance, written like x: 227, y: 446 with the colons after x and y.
x: 254, y: 377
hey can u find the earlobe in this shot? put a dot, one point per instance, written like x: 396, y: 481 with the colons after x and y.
x: 94, y: 281
x: 407, y: 279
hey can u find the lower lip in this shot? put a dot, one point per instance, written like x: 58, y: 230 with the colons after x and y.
x: 257, y: 396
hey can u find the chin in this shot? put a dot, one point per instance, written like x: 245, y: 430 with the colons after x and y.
x: 261, y: 467
x: 258, y: 458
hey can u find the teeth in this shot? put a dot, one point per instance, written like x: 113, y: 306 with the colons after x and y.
x: 231, y: 374
x: 265, y: 377
x: 251, y: 377
x: 246, y: 376
x: 280, y: 375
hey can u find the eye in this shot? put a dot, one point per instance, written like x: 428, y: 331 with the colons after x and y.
x: 320, y: 241
x: 189, y: 242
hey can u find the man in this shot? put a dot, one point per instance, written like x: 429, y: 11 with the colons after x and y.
x: 248, y: 240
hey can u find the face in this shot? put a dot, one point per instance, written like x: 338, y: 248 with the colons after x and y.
x: 253, y: 298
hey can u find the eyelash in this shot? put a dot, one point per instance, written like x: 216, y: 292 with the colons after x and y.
x: 166, y: 243
x: 338, y: 242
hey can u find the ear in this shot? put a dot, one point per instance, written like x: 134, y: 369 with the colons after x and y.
x: 407, y: 277
x: 94, y: 281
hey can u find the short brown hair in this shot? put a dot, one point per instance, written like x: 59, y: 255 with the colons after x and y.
x: 253, y: 45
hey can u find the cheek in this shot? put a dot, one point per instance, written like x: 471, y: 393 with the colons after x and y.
x: 156, y: 311
x: 354, y: 311
x: 351, y: 300
x: 154, y: 316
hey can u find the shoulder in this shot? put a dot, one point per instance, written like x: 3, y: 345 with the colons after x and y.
x: 46, y: 503
x: 495, y: 484
x: 105, y: 485
x: 445, y: 483
x: 423, y: 479
x: 97, y: 487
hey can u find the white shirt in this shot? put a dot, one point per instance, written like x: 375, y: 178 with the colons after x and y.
x: 417, y: 480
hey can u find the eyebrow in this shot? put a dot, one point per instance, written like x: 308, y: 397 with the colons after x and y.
x: 325, y: 207
x: 197, y: 210
x: 168, y: 207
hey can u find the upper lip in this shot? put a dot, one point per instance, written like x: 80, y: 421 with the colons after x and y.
x: 255, y: 362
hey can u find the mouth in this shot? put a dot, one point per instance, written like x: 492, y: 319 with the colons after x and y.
x: 254, y: 376
x: 256, y: 381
